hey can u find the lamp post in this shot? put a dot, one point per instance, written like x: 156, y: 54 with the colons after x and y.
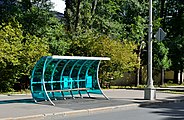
x: 150, y: 92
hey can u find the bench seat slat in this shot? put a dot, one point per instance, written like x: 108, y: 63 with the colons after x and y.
x: 67, y: 90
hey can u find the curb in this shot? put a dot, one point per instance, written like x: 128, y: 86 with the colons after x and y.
x: 93, y: 110
x: 159, y: 102
x: 181, y: 89
x: 75, y: 112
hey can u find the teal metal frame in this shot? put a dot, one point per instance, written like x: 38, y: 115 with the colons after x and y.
x: 55, y: 77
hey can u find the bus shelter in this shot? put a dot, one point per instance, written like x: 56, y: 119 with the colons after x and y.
x: 55, y: 77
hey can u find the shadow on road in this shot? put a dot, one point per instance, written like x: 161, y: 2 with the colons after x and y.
x: 171, y: 110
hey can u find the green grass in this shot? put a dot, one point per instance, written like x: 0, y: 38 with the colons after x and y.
x: 169, y: 84
x: 143, y: 86
x: 120, y: 87
x: 172, y: 92
x: 124, y: 87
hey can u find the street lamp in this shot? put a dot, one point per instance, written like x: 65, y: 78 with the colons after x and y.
x: 150, y: 91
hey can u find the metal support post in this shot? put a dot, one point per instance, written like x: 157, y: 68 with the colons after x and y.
x: 150, y: 92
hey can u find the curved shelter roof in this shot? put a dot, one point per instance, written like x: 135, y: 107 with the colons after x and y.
x: 55, y: 76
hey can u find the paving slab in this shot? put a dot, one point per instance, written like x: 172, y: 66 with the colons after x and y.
x: 23, y: 107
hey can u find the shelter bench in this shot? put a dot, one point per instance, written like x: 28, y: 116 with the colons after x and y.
x: 69, y: 90
x: 60, y: 76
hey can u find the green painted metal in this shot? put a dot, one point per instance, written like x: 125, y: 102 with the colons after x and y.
x: 43, y: 81
x: 64, y: 76
x: 79, y: 73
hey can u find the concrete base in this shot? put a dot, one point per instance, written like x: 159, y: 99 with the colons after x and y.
x: 149, y: 93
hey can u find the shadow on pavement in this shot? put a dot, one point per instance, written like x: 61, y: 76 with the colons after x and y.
x: 86, y: 103
x: 17, y: 101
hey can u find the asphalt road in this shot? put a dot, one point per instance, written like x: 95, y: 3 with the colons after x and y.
x: 166, y: 111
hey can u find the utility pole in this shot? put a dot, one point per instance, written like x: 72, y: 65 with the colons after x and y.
x: 150, y: 91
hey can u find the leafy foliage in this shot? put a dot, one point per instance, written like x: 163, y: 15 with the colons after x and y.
x: 161, y: 59
x: 113, y: 28
x: 122, y: 54
x: 17, y: 57
x: 10, y: 48
x: 55, y: 36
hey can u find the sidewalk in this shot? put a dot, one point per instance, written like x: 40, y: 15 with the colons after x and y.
x: 23, y: 107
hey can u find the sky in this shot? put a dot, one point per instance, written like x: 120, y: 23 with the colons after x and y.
x: 59, y: 5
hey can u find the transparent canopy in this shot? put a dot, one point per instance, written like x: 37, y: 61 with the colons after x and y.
x: 53, y: 73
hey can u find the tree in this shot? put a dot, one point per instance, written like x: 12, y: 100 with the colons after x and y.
x: 8, y: 10
x: 55, y: 36
x: 137, y: 34
x: 172, y: 22
x: 34, y: 15
x: 10, y: 48
x: 17, y: 55
x: 176, y: 55
x: 37, y: 33
x: 34, y: 48
x: 123, y: 58
x: 161, y: 60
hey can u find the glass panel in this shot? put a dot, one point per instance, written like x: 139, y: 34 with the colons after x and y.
x: 57, y: 73
x: 84, y: 69
x: 38, y: 71
x: 92, y: 75
x: 48, y: 86
x: 49, y: 69
x: 37, y: 87
x: 56, y: 86
x: 76, y: 69
x: 68, y: 68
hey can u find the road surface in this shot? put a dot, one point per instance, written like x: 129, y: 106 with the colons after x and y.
x: 166, y: 111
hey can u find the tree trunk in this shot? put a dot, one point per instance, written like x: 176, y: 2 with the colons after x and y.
x: 94, y: 3
x: 162, y: 8
x: 162, y: 13
x: 67, y: 14
x: 93, y: 7
x: 181, y: 76
x: 138, y: 69
x: 162, y: 76
x: 140, y: 75
x: 137, y: 77
x: 77, y: 14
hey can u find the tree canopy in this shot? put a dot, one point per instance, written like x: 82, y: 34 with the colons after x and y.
x: 117, y: 29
